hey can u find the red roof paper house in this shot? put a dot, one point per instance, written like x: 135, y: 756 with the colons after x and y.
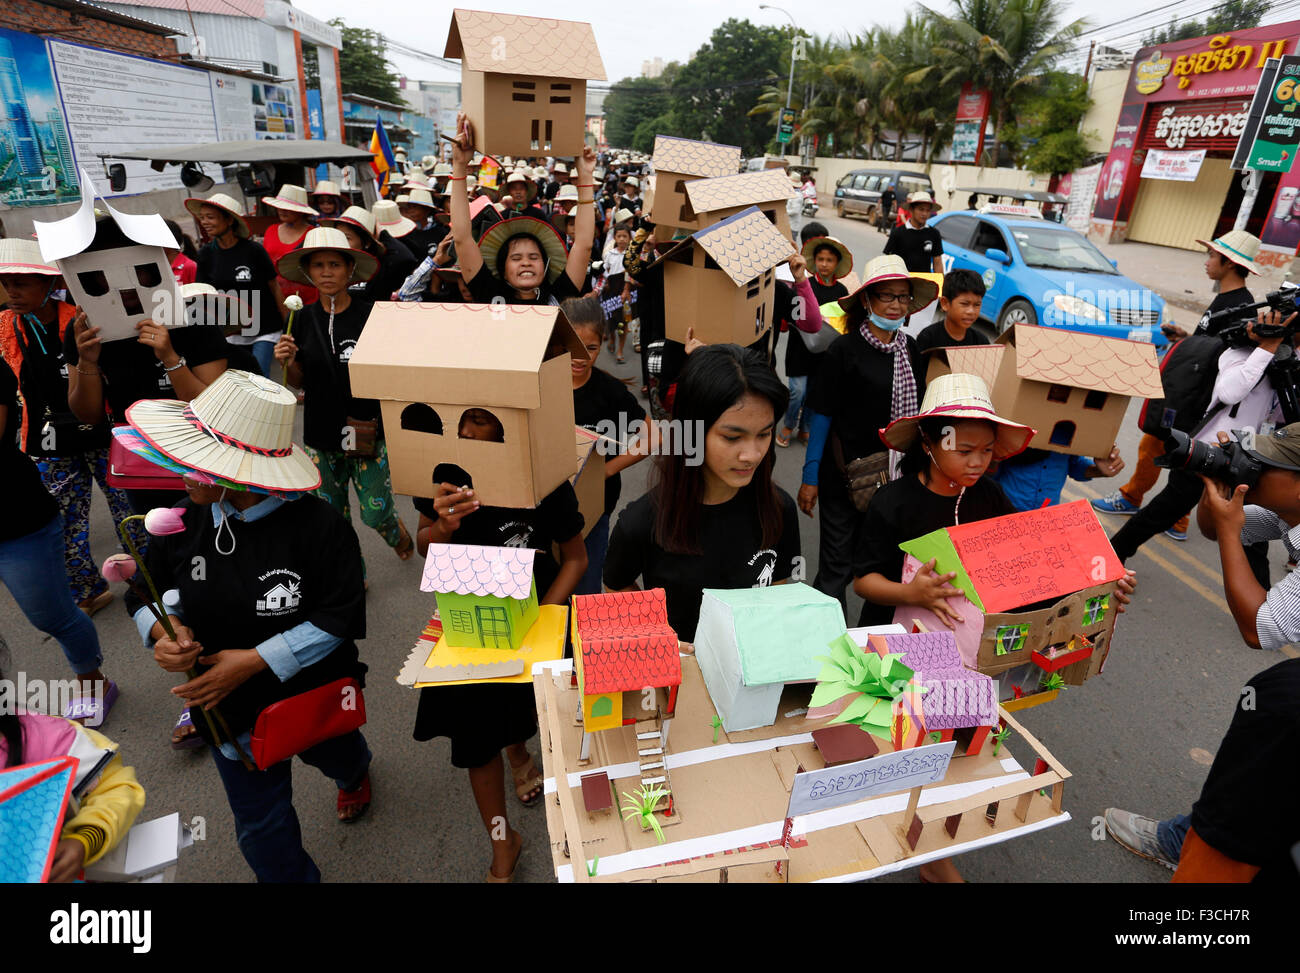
x: 1038, y: 590
x: 622, y: 643
x: 958, y: 703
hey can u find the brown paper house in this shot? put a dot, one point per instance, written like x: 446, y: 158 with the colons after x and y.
x: 589, y: 478
x: 720, y: 280
x: 428, y: 363
x: 1070, y: 386
x: 524, y: 80
x: 710, y: 201
x: 677, y: 162
x: 1070, y: 636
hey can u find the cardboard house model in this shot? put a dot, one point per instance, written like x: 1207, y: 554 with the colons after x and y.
x: 1072, y: 387
x: 720, y: 280
x: 628, y: 669
x: 429, y: 363
x: 712, y: 200
x: 622, y: 646
x: 750, y: 642
x: 524, y: 80
x: 677, y: 162
x: 957, y: 704
x: 588, y: 479
x: 1038, y: 593
x: 114, y: 267
x: 487, y: 597
x: 33, y: 803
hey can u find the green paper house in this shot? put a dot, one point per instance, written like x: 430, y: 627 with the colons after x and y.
x: 487, y: 597
x: 750, y: 642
